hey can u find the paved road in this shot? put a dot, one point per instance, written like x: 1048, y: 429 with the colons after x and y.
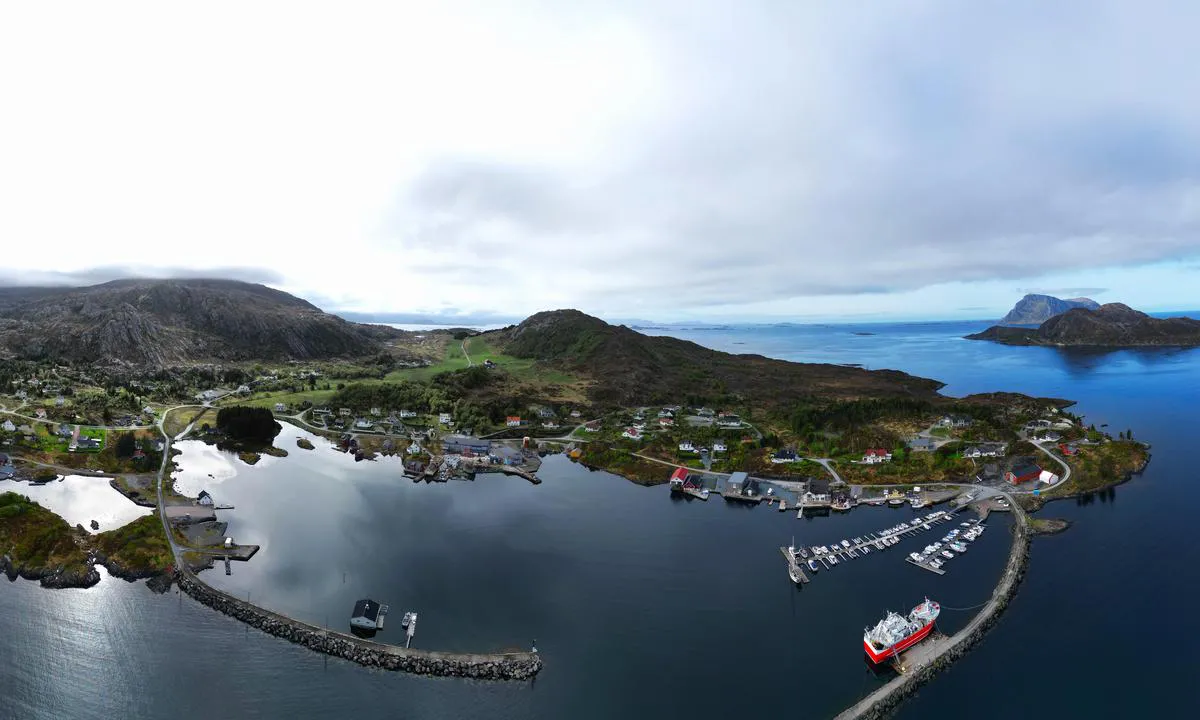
x: 1066, y: 468
x: 828, y: 465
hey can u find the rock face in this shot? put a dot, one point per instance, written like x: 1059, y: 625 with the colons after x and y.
x: 160, y: 322
x: 1037, y: 309
x: 1112, y: 325
x: 498, y: 666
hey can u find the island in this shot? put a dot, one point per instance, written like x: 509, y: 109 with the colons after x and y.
x: 1113, y: 325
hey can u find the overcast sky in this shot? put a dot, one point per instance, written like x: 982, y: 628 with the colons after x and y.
x: 659, y: 160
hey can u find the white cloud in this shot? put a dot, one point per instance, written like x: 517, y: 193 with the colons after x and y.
x: 652, y: 159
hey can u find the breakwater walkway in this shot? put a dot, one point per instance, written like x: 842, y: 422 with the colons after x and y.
x: 483, y: 666
x: 924, y: 661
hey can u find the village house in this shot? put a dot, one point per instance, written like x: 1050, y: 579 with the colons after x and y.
x: 545, y: 413
x: 40, y: 413
x: 954, y: 421
x: 1023, y: 473
x: 513, y: 421
x: 22, y: 395
x: 243, y: 390
x: 280, y: 407
x: 363, y: 424
x: 550, y: 425
x: 705, y: 412
x: 1050, y: 436
x: 445, y: 418
x: 787, y: 455
x: 345, y: 412
x: 60, y: 401
x: 874, y: 456
x: 407, y: 414
x: 65, y: 430
x: 686, y: 446
x: 576, y: 414
x: 148, y: 410
x: 322, y: 411
x: 728, y: 420
x: 376, y: 411
x: 86, y: 443
x: 8, y: 426
x: 816, y: 491
x: 414, y: 448
x: 632, y: 433
x: 592, y: 426
x: 922, y: 445
x: 665, y: 422
x: 718, y: 447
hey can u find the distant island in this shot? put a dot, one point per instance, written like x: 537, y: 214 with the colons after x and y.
x: 1036, y: 309
x: 1110, y: 325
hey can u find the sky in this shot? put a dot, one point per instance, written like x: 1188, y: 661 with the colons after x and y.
x: 692, y: 160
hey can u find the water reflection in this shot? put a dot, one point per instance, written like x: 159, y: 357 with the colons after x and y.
x: 80, y: 499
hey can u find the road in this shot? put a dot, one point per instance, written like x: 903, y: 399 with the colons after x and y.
x: 828, y: 465
x: 1062, y: 463
x: 470, y: 362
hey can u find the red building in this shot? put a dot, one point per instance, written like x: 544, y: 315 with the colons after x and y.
x: 1023, y: 473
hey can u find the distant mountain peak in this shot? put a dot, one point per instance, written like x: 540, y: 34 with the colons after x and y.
x: 1035, y: 309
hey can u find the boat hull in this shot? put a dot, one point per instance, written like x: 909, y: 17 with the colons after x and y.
x: 880, y: 656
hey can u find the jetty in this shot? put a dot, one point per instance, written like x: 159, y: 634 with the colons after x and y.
x: 794, y: 566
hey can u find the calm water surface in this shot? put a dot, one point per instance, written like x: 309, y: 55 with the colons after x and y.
x: 80, y: 499
x: 642, y: 605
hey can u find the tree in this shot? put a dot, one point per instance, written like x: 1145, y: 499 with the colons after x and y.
x: 126, y: 445
x: 1128, y: 434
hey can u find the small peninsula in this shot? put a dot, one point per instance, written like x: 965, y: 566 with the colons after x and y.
x: 1111, y: 325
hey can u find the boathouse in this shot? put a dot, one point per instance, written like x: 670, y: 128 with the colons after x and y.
x: 1023, y: 473
x: 366, y: 615
x: 736, y: 482
x: 459, y: 444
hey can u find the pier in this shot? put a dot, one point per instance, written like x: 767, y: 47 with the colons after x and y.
x: 793, y: 565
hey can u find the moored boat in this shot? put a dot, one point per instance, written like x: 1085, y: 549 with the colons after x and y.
x: 896, y: 633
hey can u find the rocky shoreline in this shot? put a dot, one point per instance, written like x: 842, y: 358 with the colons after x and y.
x: 493, y: 666
x: 56, y: 578
x: 883, y: 702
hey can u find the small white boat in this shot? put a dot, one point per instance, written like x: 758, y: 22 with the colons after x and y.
x: 947, y: 554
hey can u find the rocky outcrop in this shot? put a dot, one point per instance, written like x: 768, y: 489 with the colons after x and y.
x: 495, y: 666
x: 1036, y: 309
x: 51, y: 577
x: 883, y: 702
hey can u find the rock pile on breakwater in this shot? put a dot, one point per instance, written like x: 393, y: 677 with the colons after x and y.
x: 883, y: 702
x: 483, y: 666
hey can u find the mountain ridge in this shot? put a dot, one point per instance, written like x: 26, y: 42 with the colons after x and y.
x: 157, y: 322
x: 629, y: 368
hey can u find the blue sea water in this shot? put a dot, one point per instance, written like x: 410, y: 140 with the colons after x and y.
x: 645, y: 606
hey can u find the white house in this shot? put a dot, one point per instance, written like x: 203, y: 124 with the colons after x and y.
x: 686, y: 446
x: 243, y: 390
x: 1048, y: 477
x: 376, y: 411
x: 729, y: 420
x: 9, y: 427
x: 148, y: 410
x: 363, y: 424
x: 345, y: 412
x: 665, y: 422
x: 280, y: 407
x: 593, y: 426
x: 632, y: 433
x: 40, y: 412
x: 445, y: 418
x: 60, y: 401
x: 719, y: 447
x: 954, y: 421
x: 874, y: 456
x: 576, y: 414
x: 665, y: 413
x: 550, y: 425
x: 407, y: 414
x: 204, y: 499
x: 414, y: 448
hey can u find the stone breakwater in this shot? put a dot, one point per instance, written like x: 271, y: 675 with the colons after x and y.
x: 484, y: 666
x: 883, y: 702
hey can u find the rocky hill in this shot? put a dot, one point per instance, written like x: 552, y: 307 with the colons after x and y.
x: 1111, y: 325
x: 162, y: 322
x: 626, y: 367
x: 1037, y: 309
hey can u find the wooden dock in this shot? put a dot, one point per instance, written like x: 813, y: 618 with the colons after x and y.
x: 925, y: 566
